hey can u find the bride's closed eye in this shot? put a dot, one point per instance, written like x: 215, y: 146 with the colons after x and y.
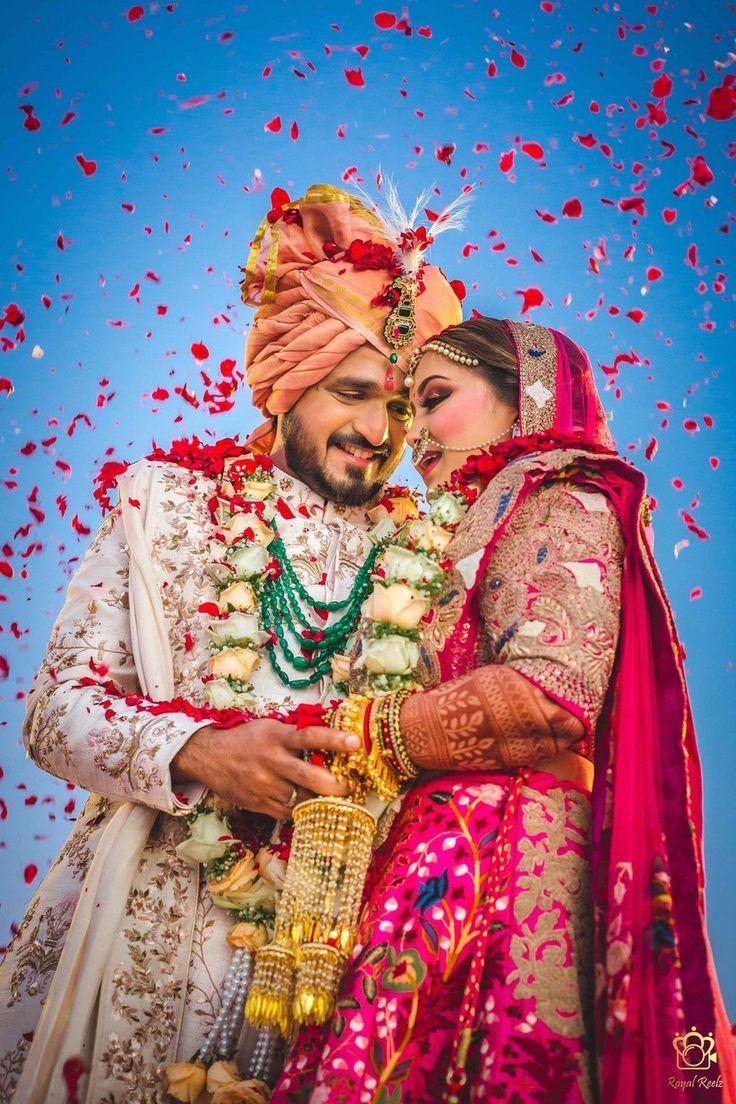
x: 429, y: 402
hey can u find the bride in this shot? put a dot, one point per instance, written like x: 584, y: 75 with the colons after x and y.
x: 533, y: 928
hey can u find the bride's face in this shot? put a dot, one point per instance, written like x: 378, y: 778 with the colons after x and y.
x: 458, y: 408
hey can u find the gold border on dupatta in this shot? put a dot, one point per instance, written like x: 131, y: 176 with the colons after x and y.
x: 536, y: 353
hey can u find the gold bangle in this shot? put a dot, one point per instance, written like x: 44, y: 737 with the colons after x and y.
x: 363, y: 769
x: 394, y: 720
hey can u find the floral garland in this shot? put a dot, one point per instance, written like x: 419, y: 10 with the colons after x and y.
x: 243, y: 868
x: 410, y: 574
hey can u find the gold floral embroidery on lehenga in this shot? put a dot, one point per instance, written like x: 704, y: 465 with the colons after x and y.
x: 554, y: 881
x: 445, y: 614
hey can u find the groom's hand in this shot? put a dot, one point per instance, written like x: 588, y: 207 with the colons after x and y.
x: 257, y: 766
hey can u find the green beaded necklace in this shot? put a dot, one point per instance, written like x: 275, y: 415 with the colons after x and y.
x: 283, y: 616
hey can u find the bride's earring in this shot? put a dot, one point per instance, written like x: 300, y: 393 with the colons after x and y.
x: 516, y: 429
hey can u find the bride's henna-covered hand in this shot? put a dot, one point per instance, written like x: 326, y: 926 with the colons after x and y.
x: 491, y: 718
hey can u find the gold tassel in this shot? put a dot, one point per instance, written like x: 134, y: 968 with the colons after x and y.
x: 316, y: 921
x: 317, y: 981
x: 271, y: 993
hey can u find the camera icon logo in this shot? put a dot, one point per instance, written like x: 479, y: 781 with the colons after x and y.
x: 695, y: 1051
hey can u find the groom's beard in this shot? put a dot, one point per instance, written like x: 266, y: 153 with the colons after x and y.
x: 354, y: 488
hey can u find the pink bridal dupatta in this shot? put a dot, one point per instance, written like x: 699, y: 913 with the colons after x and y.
x: 655, y: 979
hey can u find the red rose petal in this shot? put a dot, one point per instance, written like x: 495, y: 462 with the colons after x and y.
x: 506, y: 161
x: 89, y: 168
x: 531, y: 297
x: 199, y: 351
x: 533, y: 150
x: 572, y: 208
x: 722, y: 100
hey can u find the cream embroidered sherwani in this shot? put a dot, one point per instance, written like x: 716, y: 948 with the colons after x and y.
x: 121, y: 953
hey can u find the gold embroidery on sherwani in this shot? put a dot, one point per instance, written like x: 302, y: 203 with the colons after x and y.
x: 75, y: 853
x: 552, y: 910
x: 147, y: 984
x: 39, y: 951
x: 11, y: 1065
x: 180, y: 549
x: 104, y: 746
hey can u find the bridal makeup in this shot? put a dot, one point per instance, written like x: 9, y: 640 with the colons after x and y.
x: 452, y: 405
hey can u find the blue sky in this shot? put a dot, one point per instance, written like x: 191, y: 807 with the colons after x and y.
x: 173, y: 108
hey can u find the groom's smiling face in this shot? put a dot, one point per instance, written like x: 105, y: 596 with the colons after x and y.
x: 346, y: 434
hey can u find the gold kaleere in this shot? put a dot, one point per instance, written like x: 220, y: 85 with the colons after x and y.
x: 296, y: 977
x: 271, y: 994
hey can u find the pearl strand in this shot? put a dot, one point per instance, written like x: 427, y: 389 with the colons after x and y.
x: 223, y: 1035
x: 424, y: 441
x: 445, y: 350
x: 263, y: 1054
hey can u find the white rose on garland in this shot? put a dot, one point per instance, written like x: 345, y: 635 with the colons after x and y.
x: 223, y: 693
x: 234, y: 663
x: 340, y: 669
x: 397, y: 603
x: 237, y: 596
x: 237, y: 629
x: 221, y: 1075
x: 247, y: 935
x: 390, y: 655
x: 402, y: 565
x: 248, y: 560
x: 256, y: 489
x: 252, y: 526
x: 447, y: 508
x: 209, y: 839
x: 231, y: 890
x: 271, y: 868
x: 186, y: 1081
x: 262, y: 895
x: 427, y: 536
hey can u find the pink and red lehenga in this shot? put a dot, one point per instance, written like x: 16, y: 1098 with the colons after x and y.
x: 526, y: 939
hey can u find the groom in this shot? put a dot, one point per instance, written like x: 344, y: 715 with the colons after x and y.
x: 118, y: 967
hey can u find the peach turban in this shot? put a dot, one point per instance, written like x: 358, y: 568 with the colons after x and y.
x: 311, y: 310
